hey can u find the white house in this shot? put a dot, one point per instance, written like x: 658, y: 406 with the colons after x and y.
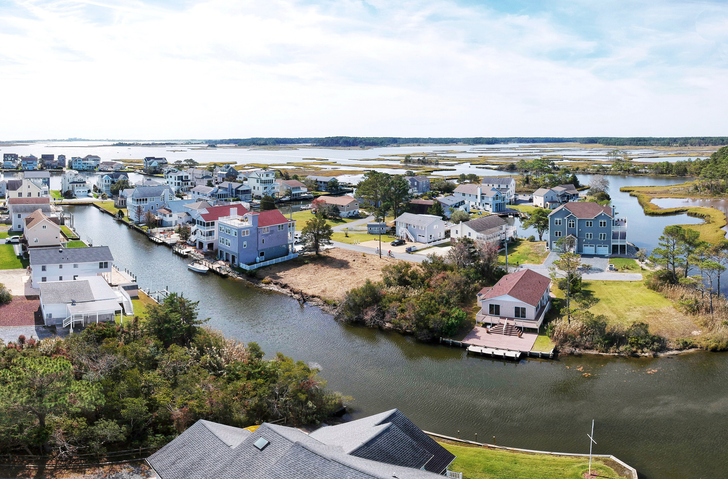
x: 110, y: 166
x: 486, y: 228
x: 82, y: 302
x: 420, y: 228
x: 348, y: 205
x: 486, y: 198
x: 63, y: 264
x: 147, y: 199
x: 75, y: 183
x: 179, y: 181
x: 261, y: 182
x: 19, y: 208
x: 545, y: 198
x: 110, y: 179
x: 505, y: 184
x: 520, y: 299
x: 87, y: 163
x: 42, y: 231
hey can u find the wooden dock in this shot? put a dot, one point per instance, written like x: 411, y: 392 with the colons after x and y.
x: 495, y: 353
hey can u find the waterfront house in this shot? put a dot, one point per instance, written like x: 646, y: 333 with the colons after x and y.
x: 505, y: 184
x: 154, y: 165
x: 179, y: 181
x: 383, y: 446
x: 73, y: 182
x: 486, y: 228
x: 420, y: 228
x: 225, y: 173
x: 20, y: 208
x: 108, y: 180
x: 87, y: 163
x: 50, y: 162
x: 419, y: 185
x: 205, y: 222
x: 110, y: 166
x: 40, y: 178
x: 146, y: 199
x: 64, y: 264
x: 203, y: 193
x: 261, y: 182
x: 41, y: 231
x: 323, y: 183
x: 175, y: 213
x: 28, y: 163
x: 521, y: 299
x: 553, y: 197
x: 348, y: 205
x: 594, y: 229
x: 231, y: 190
x: 82, y: 302
x: 294, y: 189
x: 149, y: 182
x: 121, y: 199
x: 485, y: 198
x: 451, y: 204
x: 10, y: 161
x: 247, y: 238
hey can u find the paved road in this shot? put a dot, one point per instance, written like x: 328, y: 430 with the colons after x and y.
x: 364, y: 221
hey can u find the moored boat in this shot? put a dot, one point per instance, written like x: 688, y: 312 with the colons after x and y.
x: 198, y: 267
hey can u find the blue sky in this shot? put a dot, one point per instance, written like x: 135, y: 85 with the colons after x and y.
x: 229, y: 68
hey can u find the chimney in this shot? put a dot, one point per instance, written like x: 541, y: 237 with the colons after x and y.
x: 233, y: 212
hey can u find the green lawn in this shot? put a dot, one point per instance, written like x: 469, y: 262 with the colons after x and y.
x: 485, y: 463
x: 109, y: 206
x: 76, y: 244
x: 360, y: 237
x: 302, y: 217
x: 626, y: 264
x: 56, y: 194
x: 543, y: 344
x: 523, y: 208
x: 140, y: 306
x: 67, y: 232
x: 8, y: 260
x: 625, y: 302
x: 522, y: 251
x: 6, y: 234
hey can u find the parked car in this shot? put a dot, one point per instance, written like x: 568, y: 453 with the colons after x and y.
x: 411, y: 249
x: 13, y: 239
x: 397, y: 242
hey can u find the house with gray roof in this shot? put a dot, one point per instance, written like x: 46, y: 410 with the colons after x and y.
x: 148, y: 199
x: 420, y: 228
x: 63, y: 264
x: 553, y: 197
x: 505, y: 184
x: 451, y: 204
x: 485, y: 228
x: 110, y: 179
x: 82, y: 302
x: 418, y: 184
x: 20, y: 208
x: 482, y: 197
x: 383, y: 446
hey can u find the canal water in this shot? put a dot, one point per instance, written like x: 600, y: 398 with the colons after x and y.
x: 667, y: 417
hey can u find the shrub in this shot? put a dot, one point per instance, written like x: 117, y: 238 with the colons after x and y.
x: 531, y: 239
x: 5, y: 296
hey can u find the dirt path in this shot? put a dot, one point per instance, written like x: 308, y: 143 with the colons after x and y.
x: 330, y: 275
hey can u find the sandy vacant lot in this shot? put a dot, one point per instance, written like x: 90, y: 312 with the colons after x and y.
x: 331, y: 275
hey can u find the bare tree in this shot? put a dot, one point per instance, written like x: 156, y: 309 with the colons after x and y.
x: 598, y: 184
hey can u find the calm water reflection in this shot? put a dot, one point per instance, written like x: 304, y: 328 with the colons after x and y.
x: 667, y: 417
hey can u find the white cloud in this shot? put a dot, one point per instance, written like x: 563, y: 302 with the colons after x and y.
x: 224, y: 68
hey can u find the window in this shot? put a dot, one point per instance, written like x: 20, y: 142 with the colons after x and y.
x: 589, y: 224
x: 494, y: 309
x: 60, y: 278
x: 557, y: 234
x: 572, y: 223
x: 60, y: 266
x: 520, y: 312
x: 245, y: 244
x: 557, y: 222
x: 280, y: 227
x: 43, y: 268
x: 589, y: 236
x: 262, y: 241
x: 45, y: 227
x: 43, y: 279
x: 602, y: 223
x: 75, y: 266
x: 266, y: 229
x: 103, y: 264
x: 602, y: 236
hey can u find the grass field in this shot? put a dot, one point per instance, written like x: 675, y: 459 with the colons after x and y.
x: 360, y: 237
x: 6, y: 234
x: 67, y: 232
x: 76, y: 244
x: 56, y: 194
x: 543, y: 343
x: 626, y: 264
x: 524, y: 208
x: 109, y: 206
x: 8, y: 260
x: 522, y: 251
x: 626, y: 302
x: 302, y: 218
x: 485, y: 463
x: 141, y: 304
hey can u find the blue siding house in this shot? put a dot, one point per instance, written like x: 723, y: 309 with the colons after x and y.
x: 254, y: 238
x: 594, y: 227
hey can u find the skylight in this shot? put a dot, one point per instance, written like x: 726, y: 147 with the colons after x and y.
x: 261, y: 443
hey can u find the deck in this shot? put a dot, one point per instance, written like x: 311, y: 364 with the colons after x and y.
x: 479, y: 337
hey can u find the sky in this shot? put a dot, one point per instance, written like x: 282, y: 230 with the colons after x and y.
x: 188, y: 69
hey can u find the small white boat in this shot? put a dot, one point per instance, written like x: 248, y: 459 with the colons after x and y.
x: 198, y: 268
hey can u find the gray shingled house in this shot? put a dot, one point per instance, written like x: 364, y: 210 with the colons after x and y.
x: 385, y: 445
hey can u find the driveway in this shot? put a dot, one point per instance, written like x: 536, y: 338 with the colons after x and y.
x: 16, y: 280
x: 599, y: 269
x: 363, y: 221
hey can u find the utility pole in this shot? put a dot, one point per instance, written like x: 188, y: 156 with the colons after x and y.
x: 379, y: 228
x: 591, y: 443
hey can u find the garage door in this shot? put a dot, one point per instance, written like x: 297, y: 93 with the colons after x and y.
x: 588, y: 249
x: 603, y: 249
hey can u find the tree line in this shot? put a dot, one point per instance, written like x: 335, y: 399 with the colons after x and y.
x: 116, y: 388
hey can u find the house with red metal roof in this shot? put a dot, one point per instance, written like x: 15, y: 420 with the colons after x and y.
x: 250, y: 240
x: 205, y: 222
x: 521, y: 299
